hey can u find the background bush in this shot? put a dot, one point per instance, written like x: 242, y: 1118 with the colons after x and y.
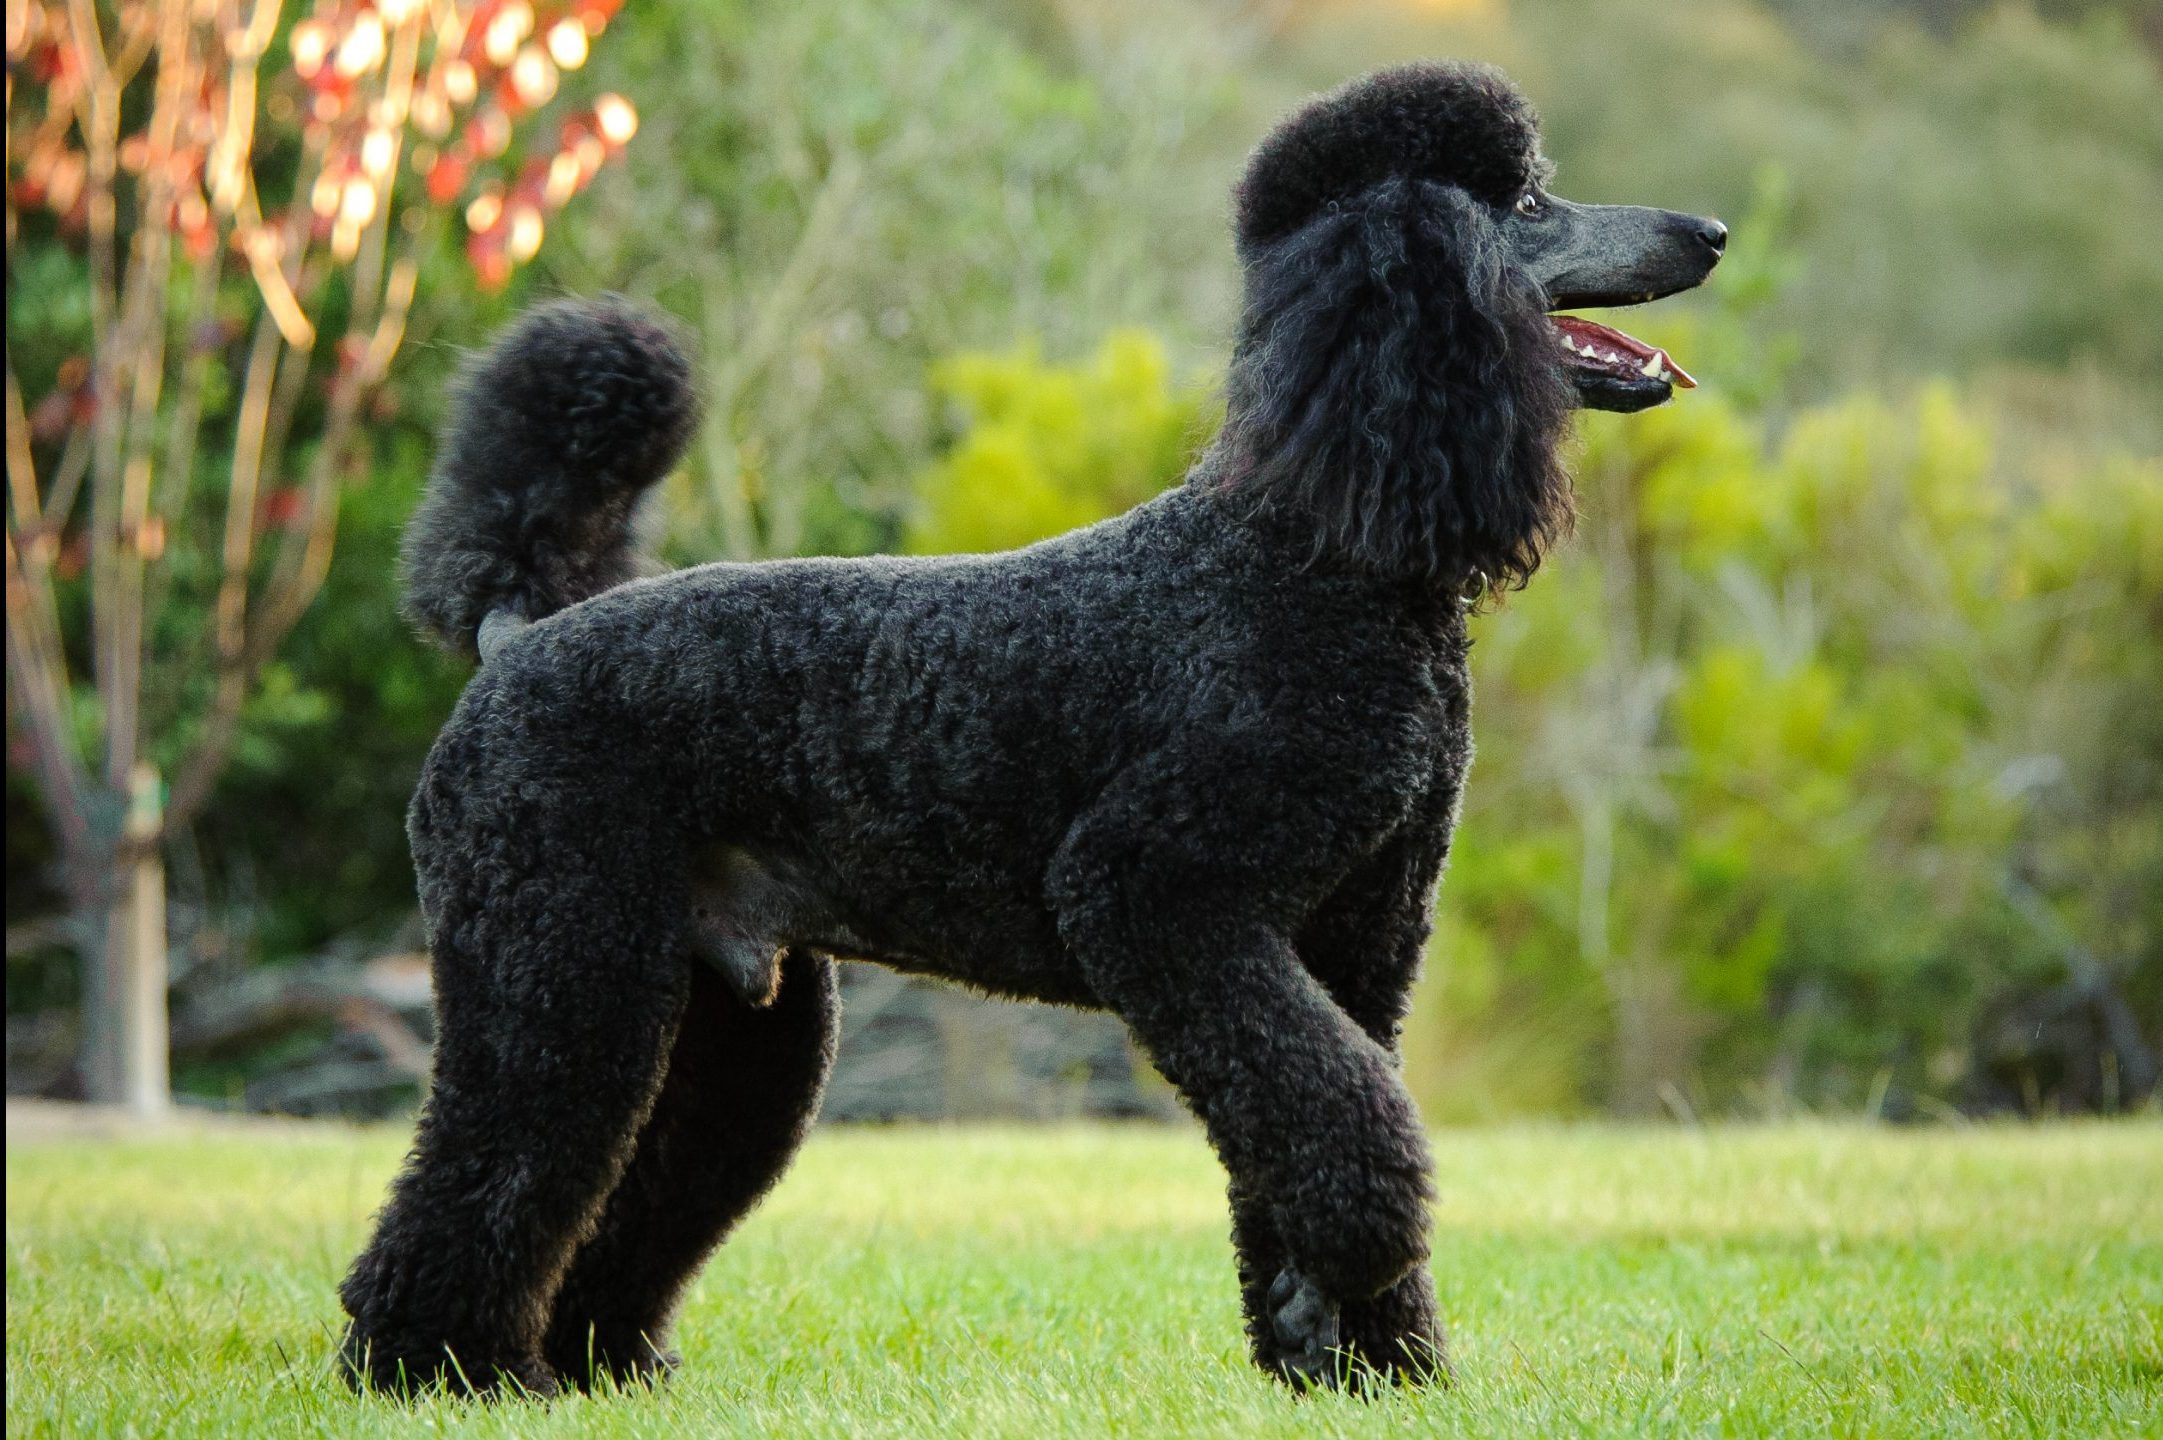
x: 1829, y: 744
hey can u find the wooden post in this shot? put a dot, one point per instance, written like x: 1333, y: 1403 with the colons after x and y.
x: 128, y: 1052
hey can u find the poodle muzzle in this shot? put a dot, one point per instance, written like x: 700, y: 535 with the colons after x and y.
x: 1605, y: 256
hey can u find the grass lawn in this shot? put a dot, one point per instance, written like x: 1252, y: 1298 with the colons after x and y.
x: 1077, y: 1282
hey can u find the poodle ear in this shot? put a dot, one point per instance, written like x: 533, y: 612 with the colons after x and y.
x: 1394, y: 386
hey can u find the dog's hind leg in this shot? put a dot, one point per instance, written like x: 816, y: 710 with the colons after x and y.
x: 561, y: 970
x: 743, y: 1086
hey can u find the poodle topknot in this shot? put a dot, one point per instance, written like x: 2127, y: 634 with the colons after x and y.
x: 1452, y: 122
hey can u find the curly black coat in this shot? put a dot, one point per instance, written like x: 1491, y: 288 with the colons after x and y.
x: 1197, y: 765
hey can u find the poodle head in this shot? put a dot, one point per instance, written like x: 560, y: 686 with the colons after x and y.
x: 1398, y: 381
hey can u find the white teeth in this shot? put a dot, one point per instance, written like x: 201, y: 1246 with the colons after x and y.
x: 1654, y: 368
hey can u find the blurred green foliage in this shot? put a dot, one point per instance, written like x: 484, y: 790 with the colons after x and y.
x: 1836, y: 722
x: 1044, y: 448
x: 1769, y: 758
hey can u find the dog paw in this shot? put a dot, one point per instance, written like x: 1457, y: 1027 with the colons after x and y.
x: 368, y: 1365
x: 623, y: 1361
x: 1395, y: 1338
x: 645, y: 1368
x: 1303, y: 1326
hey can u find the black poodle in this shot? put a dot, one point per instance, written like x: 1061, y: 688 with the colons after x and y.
x: 1196, y: 765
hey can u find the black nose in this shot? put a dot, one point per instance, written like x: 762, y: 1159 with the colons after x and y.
x: 1714, y: 234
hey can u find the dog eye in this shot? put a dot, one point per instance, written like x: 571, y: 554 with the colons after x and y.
x: 1529, y: 203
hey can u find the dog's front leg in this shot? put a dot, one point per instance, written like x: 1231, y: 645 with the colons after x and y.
x: 1365, y: 945
x: 1307, y: 1112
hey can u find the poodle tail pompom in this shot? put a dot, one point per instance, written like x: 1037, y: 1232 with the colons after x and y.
x: 559, y: 428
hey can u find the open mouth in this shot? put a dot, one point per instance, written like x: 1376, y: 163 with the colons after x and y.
x: 1615, y: 366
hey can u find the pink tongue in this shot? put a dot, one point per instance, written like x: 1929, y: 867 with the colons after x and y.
x: 1609, y: 341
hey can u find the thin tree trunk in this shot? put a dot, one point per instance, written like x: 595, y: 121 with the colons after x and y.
x: 125, y: 1057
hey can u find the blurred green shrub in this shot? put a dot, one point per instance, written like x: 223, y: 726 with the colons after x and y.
x: 1043, y: 447
x: 1769, y: 757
